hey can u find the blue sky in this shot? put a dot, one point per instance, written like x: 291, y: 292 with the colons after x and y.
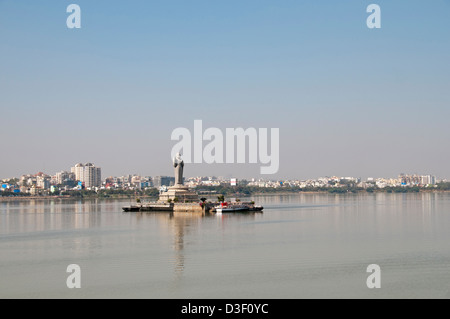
x: 348, y: 100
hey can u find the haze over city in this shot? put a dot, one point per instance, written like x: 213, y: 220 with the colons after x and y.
x: 349, y: 101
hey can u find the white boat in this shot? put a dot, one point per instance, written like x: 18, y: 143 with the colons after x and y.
x: 230, y: 208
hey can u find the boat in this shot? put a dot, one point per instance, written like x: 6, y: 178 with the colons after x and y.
x: 131, y: 209
x: 236, y: 207
x: 256, y: 208
x: 231, y: 209
x: 149, y: 207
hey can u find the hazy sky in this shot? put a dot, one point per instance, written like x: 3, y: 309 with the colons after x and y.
x: 349, y: 101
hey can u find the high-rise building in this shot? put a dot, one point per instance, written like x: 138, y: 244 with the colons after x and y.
x: 78, y: 170
x: 428, y: 180
x: 88, y: 174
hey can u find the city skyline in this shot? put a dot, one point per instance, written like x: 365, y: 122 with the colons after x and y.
x: 348, y: 100
x: 88, y: 177
x: 98, y: 171
x: 91, y: 176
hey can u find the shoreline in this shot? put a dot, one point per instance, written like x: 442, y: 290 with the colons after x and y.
x: 117, y: 197
x: 66, y: 197
x: 347, y: 193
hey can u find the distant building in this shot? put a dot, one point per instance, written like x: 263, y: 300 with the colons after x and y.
x: 42, y: 182
x: 412, y: 180
x: 78, y: 170
x: 428, y: 180
x: 88, y: 174
x: 63, y: 177
x: 159, y: 181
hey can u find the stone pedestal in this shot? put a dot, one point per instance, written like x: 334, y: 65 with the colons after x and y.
x: 183, y: 193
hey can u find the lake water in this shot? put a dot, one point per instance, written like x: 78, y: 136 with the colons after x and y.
x: 301, y: 246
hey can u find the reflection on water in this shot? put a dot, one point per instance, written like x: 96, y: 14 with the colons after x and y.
x: 304, y: 245
x: 50, y: 215
x: 182, y: 225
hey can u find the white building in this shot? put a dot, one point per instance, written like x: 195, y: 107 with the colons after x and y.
x: 428, y: 180
x: 88, y: 174
x: 42, y: 182
x: 62, y: 176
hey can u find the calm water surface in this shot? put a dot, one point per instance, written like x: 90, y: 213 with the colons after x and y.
x: 301, y: 246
